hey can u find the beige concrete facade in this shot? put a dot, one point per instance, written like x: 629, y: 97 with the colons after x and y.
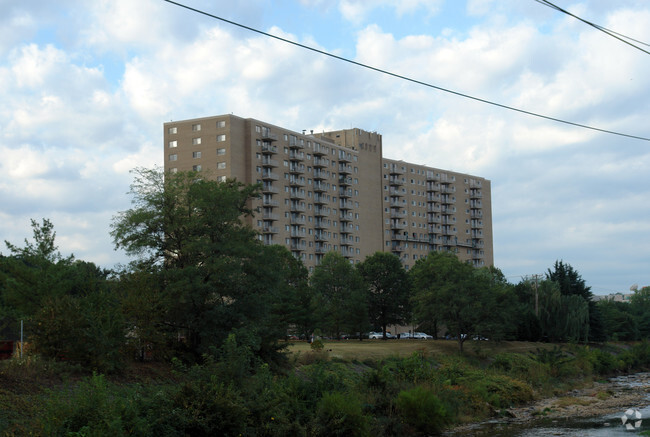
x: 334, y: 191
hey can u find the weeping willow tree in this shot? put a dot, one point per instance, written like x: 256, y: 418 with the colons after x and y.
x: 562, y: 317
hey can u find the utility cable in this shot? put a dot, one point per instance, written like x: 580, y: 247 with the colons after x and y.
x: 379, y: 70
x: 611, y: 33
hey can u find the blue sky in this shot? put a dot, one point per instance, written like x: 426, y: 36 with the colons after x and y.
x: 86, y: 86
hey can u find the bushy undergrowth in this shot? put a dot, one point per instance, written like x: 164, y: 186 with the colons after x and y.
x: 231, y: 393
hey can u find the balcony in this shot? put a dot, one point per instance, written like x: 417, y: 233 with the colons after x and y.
x: 395, y: 181
x: 395, y: 170
x: 395, y: 224
x: 296, y: 168
x: 296, y: 155
x: 319, y: 186
x: 269, y: 176
x: 319, y: 174
x: 268, y: 162
x: 320, y: 224
x: 269, y: 149
x: 296, y: 207
x: 396, y: 214
x: 320, y: 162
x: 345, y: 169
x: 296, y: 220
x: 268, y: 136
x: 269, y: 189
x: 270, y: 203
x: 297, y: 194
x: 320, y: 199
x: 269, y: 230
x: 346, y: 229
x: 343, y: 181
x: 345, y: 193
x: 321, y: 212
x: 270, y: 216
x: 321, y: 236
x: 320, y: 150
x: 297, y: 182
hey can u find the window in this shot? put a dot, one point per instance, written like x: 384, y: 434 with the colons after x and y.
x: 221, y: 152
x: 172, y: 130
x: 173, y: 144
x: 196, y: 127
x: 221, y: 165
x: 196, y: 141
x: 173, y: 157
x: 196, y: 168
x: 196, y: 155
x: 221, y: 179
x: 221, y: 138
x: 173, y: 170
x: 221, y: 123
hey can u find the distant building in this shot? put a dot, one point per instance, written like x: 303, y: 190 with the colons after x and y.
x: 334, y: 191
x: 614, y: 297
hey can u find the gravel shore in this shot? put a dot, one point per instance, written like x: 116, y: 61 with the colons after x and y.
x: 600, y: 399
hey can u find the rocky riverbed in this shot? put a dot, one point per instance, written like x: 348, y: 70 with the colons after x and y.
x: 600, y: 399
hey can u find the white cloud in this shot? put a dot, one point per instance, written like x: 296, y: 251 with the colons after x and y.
x: 82, y: 108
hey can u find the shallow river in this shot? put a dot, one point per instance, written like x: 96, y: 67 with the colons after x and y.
x: 637, y: 420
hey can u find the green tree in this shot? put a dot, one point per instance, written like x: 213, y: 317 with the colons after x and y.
x: 562, y: 317
x: 70, y: 307
x: 640, y: 307
x: 214, y: 274
x: 618, y: 320
x: 570, y: 283
x: 455, y: 293
x: 342, y: 303
x: 34, y: 272
x: 388, y: 289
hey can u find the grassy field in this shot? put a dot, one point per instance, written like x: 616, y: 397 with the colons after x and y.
x: 377, y: 349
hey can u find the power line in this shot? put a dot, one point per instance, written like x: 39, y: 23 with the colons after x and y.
x: 386, y: 72
x: 611, y: 33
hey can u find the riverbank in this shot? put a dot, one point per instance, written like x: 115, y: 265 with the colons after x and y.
x: 601, y: 398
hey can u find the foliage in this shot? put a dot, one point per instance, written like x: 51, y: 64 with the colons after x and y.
x: 88, y: 330
x: 213, y: 276
x: 388, y: 289
x: 618, y: 320
x: 69, y: 306
x: 421, y: 408
x: 570, y: 283
x: 456, y: 294
x: 342, y: 303
x: 340, y: 414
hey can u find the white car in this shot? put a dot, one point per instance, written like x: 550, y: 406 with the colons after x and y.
x: 422, y: 336
x: 378, y: 335
x: 404, y: 335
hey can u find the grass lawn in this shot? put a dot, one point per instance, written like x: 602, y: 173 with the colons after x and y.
x: 378, y: 349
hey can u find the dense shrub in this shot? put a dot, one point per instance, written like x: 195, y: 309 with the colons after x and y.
x: 421, y: 408
x: 340, y: 414
x: 93, y: 408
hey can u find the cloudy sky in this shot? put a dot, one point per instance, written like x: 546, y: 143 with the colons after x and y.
x: 85, y: 87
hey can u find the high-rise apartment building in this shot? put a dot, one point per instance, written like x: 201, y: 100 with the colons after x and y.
x: 334, y: 191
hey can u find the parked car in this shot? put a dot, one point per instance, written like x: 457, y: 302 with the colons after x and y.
x: 378, y: 335
x: 422, y: 336
x: 404, y: 335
